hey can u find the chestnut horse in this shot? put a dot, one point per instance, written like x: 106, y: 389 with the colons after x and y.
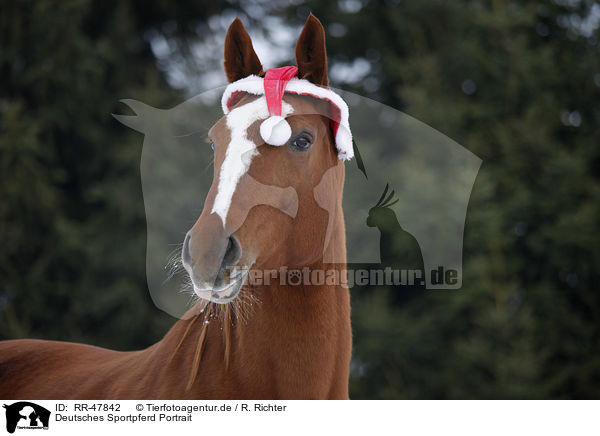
x: 275, y: 341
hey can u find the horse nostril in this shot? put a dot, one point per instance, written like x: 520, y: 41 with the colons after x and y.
x: 232, y: 252
x: 186, y: 257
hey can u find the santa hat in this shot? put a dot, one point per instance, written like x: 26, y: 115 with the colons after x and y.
x: 275, y: 130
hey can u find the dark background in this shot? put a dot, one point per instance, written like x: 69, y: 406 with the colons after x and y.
x: 515, y: 82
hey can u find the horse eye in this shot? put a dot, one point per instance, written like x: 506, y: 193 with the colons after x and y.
x: 212, y: 146
x: 302, y: 142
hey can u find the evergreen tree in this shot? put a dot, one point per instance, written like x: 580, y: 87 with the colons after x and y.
x: 518, y: 84
x: 72, y: 263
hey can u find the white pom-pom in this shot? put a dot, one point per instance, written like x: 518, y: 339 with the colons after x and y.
x: 275, y: 130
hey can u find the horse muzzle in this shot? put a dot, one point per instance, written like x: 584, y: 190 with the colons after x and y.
x: 210, y: 256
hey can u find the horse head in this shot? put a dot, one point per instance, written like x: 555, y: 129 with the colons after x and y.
x: 278, y: 171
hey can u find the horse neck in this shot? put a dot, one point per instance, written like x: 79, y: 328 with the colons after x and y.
x: 277, y: 337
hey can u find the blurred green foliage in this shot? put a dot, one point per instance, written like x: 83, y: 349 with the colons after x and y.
x: 515, y: 82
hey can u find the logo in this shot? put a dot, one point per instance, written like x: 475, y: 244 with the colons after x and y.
x: 26, y: 415
x: 415, y: 229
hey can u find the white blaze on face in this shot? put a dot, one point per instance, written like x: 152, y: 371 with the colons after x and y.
x: 240, y: 150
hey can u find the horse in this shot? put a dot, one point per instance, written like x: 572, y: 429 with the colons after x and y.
x: 269, y: 207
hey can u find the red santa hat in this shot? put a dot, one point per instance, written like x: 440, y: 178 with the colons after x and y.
x: 275, y: 130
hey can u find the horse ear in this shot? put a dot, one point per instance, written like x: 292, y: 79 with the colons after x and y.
x: 240, y: 58
x: 311, y: 55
